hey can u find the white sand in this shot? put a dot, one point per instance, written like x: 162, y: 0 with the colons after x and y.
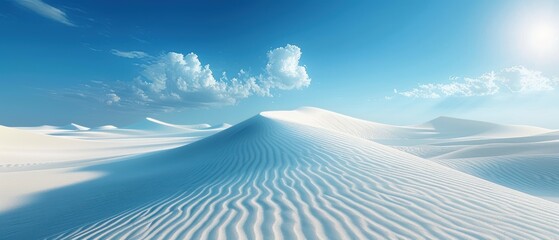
x: 305, y: 174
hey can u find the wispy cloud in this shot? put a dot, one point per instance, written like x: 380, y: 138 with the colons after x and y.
x: 46, y: 11
x: 512, y: 80
x: 129, y: 54
x: 175, y: 81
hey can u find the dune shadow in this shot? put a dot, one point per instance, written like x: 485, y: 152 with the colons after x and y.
x: 126, y: 184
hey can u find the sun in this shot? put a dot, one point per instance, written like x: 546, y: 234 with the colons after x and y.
x: 541, y: 37
x: 534, y: 32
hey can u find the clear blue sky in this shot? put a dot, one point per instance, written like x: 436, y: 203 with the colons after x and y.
x: 400, y: 62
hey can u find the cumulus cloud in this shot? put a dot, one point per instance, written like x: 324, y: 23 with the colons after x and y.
x: 283, y: 69
x: 46, y: 11
x: 175, y: 81
x: 512, y: 80
x: 129, y: 54
x: 178, y: 80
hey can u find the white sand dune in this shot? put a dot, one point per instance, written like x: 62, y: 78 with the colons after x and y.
x: 536, y: 138
x: 519, y: 157
x: 332, y: 121
x: 52, y: 129
x: 275, y: 176
x: 527, y: 163
x: 43, y: 158
x: 151, y: 127
x: 458, y: 128
x: 106, y: 128
x: 222, y: 126
x: 151, y: 124
x: 503, y: 149
x: 49, y: 129
x: 73, y: 126
x: 35, y: 147
x: 535, y: 174
x: 439, y: 130
x: 148, y: 128
x: 531, y: 167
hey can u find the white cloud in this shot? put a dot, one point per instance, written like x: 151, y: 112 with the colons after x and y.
x: 175, y: 81
x: 283, y: 69
x: 513, y: 80
x: 129, y: 54
x: 46, y: 10
x: 112, y: 98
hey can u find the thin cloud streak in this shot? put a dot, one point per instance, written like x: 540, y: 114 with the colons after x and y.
x: 46, y: 11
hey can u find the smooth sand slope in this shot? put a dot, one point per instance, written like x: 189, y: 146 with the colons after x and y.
x: 45, y: 147
x: 275, y: 176
x: 459, y: 128
x: 528, y: 161
x: 524, y: 158
x: 439, y: 130
x: 151, y: 124
x: 39, y: 149
x: 39, y: 159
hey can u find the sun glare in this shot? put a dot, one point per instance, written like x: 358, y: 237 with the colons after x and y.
x: 535, y: 33
x: 541, y: 38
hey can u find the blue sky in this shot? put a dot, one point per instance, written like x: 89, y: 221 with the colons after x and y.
x: 400, y: 62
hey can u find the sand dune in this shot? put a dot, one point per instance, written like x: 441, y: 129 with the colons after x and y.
x: 440, y: 130
x: 73, y: 126
x: 457, y: 128
x: 526, y: 163
x: 519, y: 157
x: 46, y: 147
x: 50, y: 129
x: 503, y: 149
x: 531, y: 167
x: 275, y: 177
x: 151, y: 124
x: 303, y: 174
x: 332, y: 121
x: 47, y: 157
x: 535, y: 174
x: 106, y: 128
